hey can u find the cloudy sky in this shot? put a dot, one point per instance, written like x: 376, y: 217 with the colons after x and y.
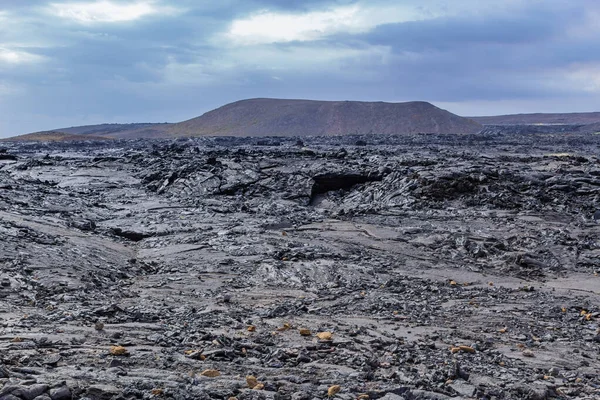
x: 68, y: 62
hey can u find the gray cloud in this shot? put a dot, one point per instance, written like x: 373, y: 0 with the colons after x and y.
x: 168, y: 67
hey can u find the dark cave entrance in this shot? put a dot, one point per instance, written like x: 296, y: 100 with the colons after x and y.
x: 335, y: 181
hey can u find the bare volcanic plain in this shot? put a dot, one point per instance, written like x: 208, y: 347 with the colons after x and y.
x: 409, y: 267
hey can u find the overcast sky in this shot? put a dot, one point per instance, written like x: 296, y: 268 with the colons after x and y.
x: 66, y: 63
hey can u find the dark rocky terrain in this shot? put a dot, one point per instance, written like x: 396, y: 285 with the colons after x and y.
x: 374, y: 267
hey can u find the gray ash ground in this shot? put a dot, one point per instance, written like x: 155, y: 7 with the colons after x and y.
x: 212, y: 254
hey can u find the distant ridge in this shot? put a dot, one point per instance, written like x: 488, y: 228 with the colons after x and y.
x: 53, y: 136
x: 541, y: 118
x: 120, y: 131
x: 279, y: 117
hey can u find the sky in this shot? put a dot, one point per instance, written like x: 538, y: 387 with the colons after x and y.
x: 76, y: 62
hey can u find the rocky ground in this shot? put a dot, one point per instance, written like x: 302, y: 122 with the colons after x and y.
x: 414, y: 267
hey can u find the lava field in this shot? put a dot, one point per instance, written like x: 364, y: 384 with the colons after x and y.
x: 375, y: 267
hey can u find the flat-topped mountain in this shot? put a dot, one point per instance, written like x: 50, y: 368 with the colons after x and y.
x: 278, y: 117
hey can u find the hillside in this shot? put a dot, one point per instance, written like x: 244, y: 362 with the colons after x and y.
x: 53, y: 136
x: 591, y: 128
x: 109, y: 129
x: 120, y: 131
x: 541, y: 118
x: 277, y: 117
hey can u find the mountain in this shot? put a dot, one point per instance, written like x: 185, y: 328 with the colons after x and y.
x: 278, y: 117
x: 541, y: 119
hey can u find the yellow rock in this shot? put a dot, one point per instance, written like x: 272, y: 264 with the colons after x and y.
x: 118, y: 351
x: 158, y: 392
x: 528, y: 353
x: 252, y: 381
x: 503, y: 330
x: 559, y: 154
x: 285, y: 327
x: 453, y: 283
x: 333, y: 390
x: 304, y: 332
x: 251, y: 328
x: 363, y: 397
x: 260, y: 386
x: 210, y: 373
x: 16, y: 340
x: 466, y: 349
x: 325, y: 336
x: 195, y: 354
